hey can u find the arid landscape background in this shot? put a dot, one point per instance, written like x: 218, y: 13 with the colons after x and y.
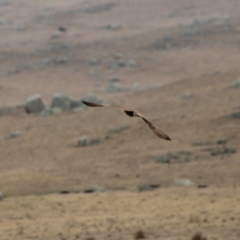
x: 96, y: 173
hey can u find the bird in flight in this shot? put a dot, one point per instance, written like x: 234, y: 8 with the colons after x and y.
x: 132, y: 113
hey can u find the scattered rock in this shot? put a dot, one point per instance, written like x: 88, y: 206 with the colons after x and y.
x: 56, y: 110
x: 187, y: 95
x: 99, y: 8
x: 64, y: 192
x: 56, y: 47
x: 183, y: 182
x: 118, y: 130
x: 229, y: 149
x: 118, y: 55
x: 221, y: 141
x: 94, y: 188
x: 55, y: 60
x: 215, y: 152
x: 199, y: 144
x: 20, y: 27
x: 94, y: 61
x: 114, y: 80
x: 147, y: 187
x: 111, y: 65
x: 236, y: 84
x: 15, y: 134
x: 165, y: 158
x: 187, y: 35
x: 84, y: 141
x: 116, y: 87
x: 116, y: 63
x: 62, y: 29
x: 34, y: 104
x: 130, y: 63
x: 113, y: 26
x: 47, y: 111
x: 223, y: 150
x: 181, y: 156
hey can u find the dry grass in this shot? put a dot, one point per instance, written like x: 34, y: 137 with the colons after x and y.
x: 164, y: 212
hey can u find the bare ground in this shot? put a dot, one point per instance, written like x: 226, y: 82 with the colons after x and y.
x: 186, y: 61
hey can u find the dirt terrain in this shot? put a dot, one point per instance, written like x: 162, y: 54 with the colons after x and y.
x: 177, y: 62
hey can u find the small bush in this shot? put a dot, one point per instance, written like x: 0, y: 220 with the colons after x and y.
x: 198, y: 236
x: 139, y: 235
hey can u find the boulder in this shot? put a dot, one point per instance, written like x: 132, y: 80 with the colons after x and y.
x: 65, y: 103
x: 47, y: 111
x: 91, y: 98
x: 34, y: 104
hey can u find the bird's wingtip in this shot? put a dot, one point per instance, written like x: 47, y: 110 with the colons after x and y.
x: 90, y: 104
x: 168, y: 138
x: 86, y: 103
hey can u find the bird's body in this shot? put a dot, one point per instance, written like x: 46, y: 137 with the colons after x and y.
x: 132, y: 113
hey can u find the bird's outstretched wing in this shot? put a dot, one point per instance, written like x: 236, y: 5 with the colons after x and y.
x: 90, y: 104
x: 157, y: 131
x: 132, y: 113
